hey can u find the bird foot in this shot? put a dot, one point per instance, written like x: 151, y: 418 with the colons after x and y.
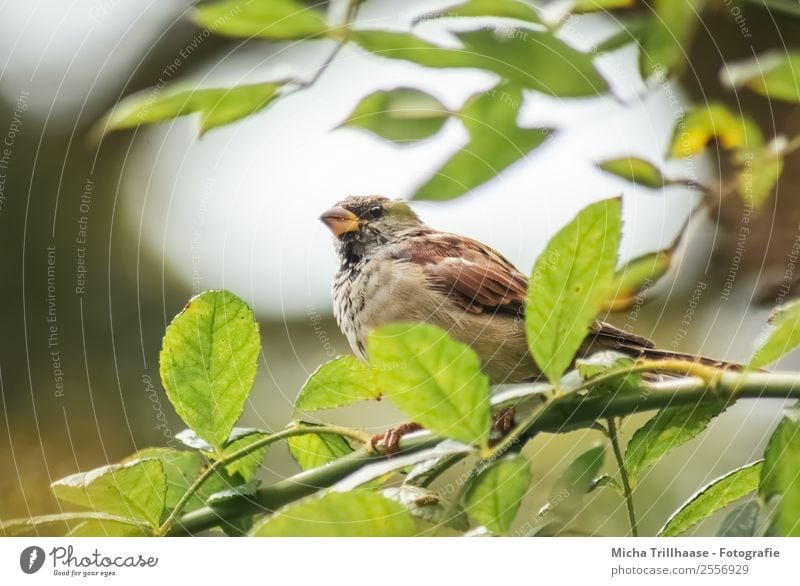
x: 502, y: 422
x: 391, y: 437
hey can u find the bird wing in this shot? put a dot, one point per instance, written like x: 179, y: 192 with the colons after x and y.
x: 471, y: 274
x: 481, y: 280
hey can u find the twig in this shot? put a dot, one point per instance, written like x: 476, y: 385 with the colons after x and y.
x: 623, y: 473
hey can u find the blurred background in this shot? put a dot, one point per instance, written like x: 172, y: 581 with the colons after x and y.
x: 103, y: 243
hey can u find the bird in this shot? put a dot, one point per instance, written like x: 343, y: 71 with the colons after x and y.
x: 395, y: 268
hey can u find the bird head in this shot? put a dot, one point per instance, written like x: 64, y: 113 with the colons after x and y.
x: 359, y: 222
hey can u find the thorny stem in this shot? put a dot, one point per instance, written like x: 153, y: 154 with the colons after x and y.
x: 623, y: 473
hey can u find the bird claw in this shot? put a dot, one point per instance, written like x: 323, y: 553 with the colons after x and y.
x: 503, y: 422
x: 391, y: 437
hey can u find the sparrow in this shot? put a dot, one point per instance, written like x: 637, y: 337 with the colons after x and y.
x: 394, y: 268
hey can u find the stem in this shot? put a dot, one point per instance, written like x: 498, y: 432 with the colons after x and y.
x: 341, y: 41
x: 623, y: 473
x: 166, y: 526
x: 560, y: 414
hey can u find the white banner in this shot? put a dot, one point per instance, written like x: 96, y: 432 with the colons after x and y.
x: 388, y: 562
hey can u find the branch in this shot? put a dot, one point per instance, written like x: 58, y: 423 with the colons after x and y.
x: 166, y: 526
x: 560, y: 414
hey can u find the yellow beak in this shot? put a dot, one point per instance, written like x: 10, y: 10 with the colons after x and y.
x: 340, y: 221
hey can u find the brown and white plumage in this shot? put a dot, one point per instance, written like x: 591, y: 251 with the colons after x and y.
x: 394, y: 268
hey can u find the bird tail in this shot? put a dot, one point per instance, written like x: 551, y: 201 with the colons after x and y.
x: 640, y: 347
x: 659, y: 354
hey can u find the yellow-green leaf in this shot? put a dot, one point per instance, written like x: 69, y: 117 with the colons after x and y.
x: 342, y: 381
x: 247, y: 467
x: 267, y: 19
x: 346, y: 514
x: 759, y: 171
x: 136, y: 490
x: 711, y: 498
x: 584, y: 6
x: 495, y: 495
x: 635, y: 170
x: 713, y: 121
x: 569, y: 284
x: 216, y: 106
x: 313, y: 450
x: 208, y: 363
x: 775, y: 74
x: 670, y: 428
x: 782, y: 338
x: 107, y: 528
x: 531, y: 59
x: 780, y: 476
x: 434, y: 380
x: 402, y: 115
x: 61, y: 523
x: 495, y: 142
x: 636, y: 277
x: 516, y: 9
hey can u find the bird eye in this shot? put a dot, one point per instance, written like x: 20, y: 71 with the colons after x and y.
x: 375, y: 212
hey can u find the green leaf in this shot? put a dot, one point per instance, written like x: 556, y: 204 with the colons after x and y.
x: 426, y: 505
x: 635, y: 278
x: 666, y: 43
x: 536, y: 60
x: 780, y: 476
x: 45, y: 525
x: 248, y: 489
x: 342, y: 381
x: 347, y: 514
x: 635, y: 170
x: 569, y: 283
x: 267, y: 19
x: 670, y: 428
x: 495, y: 142
x: 248, y: 466
x: 713, y: 121
x: 495, y: 495
x: 434, y: 380
x: 136, y: 490
x: 742, y: 521
x: 313, y: 450
x: 783, y: 336
x: 576, y: 481
x: 775, y: 74
x: 759, y: 171
x: 107, y: 528
x: 711, y: 498
x: 633, y: 30
x: 216, y: 106
x: 402, y: 115
x: 516, y: 9
x: 181, y: 469
x: 208, y: 363
x: 584, y: 6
